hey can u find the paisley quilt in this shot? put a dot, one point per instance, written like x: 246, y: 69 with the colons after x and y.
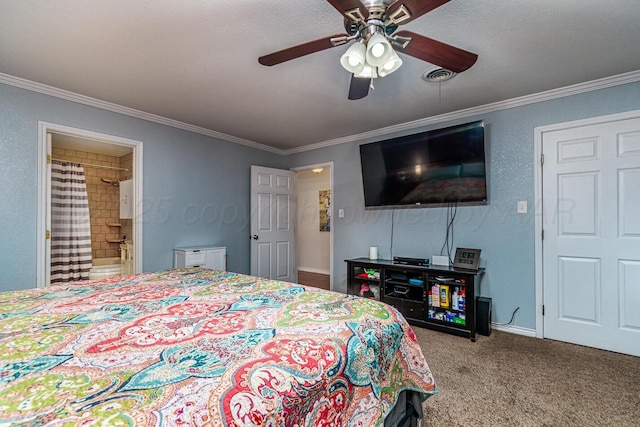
x: 197, y: 347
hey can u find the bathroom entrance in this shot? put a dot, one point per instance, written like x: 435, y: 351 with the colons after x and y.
x: 88, y: 205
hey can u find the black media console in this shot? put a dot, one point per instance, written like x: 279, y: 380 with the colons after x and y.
x: 435, y: 297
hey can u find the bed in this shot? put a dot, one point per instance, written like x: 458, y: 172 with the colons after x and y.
x: 204, y: 348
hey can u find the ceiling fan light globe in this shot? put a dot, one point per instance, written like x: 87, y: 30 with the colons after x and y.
x: 391, y: 65
x: 354, y: 58
x: 378, y: 50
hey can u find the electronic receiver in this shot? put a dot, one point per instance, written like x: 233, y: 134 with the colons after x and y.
x: 421, y: 262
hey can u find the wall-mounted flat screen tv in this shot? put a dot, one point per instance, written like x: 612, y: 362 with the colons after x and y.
x: 433, y: 168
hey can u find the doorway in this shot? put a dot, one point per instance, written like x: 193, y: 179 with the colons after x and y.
x: 289, y: 232
x: 314, y: 227
x: 589, y: 255
x: 110, y: 164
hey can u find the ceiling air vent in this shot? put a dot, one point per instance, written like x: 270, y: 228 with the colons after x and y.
x: 437, y: 75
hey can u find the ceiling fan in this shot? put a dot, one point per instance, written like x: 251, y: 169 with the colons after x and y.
x: 372, y: 24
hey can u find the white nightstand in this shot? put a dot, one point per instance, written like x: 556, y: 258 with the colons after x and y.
x: 214, y: 257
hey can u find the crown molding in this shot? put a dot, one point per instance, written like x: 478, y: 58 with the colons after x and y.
x: 579, y: 88
x: 576, y: 89
x: 109, y: 106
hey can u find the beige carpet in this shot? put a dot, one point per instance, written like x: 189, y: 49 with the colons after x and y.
x: 511, y: 380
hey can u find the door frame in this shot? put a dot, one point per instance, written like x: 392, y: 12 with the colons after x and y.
x: 539, y: 208
x: 44, y: 128
x: 333, y: 221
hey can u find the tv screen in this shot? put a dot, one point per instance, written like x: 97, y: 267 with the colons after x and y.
x: 433, y: 168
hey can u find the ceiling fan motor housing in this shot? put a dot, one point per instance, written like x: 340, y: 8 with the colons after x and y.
x: 356, y: 23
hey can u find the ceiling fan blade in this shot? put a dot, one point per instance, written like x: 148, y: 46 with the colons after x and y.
x: 437, y: 53
x: 416, y: 8
x: 299, y: 50
x: 359, y: 87
x: 345, y: 6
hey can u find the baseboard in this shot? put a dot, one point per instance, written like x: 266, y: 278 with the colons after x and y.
x: 313, y: 270
x: 514, y: 330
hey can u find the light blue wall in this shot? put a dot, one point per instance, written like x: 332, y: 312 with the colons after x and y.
x: 505, y: 237
x: 196, y: 188
x: 196, y: 191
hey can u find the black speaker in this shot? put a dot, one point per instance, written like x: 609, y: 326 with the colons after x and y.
x: 483, y: 316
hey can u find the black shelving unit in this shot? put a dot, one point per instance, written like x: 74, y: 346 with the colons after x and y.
x: 404, y: 289
x: 410, y: 289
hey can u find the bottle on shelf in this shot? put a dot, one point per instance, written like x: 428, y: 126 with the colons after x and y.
x: 455, y: 299
x: 435, y: 295
x: 444, y: 296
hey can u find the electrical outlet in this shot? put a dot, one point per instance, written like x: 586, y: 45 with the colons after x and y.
x: 522, y: 207
x: 340, y: 213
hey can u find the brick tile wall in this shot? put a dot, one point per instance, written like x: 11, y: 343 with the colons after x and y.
x: 104, y: 199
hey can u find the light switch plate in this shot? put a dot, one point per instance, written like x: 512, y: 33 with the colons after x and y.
x: 522, y: 207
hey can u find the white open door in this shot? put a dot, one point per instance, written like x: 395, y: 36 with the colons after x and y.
x: 591, y: 246
x: 272, y: 224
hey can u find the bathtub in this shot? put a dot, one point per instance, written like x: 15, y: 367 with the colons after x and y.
x: 105, y: 267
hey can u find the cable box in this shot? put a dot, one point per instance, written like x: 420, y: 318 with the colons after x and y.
x: 421, y: 262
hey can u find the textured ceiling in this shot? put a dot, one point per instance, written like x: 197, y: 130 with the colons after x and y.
x: 196, y: 61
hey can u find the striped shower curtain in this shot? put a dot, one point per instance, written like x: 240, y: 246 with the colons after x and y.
x: 70, y: 223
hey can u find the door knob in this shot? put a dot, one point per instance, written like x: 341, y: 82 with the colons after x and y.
x: 254, y: 237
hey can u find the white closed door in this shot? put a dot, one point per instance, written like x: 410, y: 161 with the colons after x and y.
x: 591, y: 245
x: 272, y: 224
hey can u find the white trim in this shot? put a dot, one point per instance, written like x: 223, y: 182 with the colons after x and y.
x: 41, y: 215
x: 538, y: 227
x: 634, y: 114
x: 45, y: 128
x: 539, y: 209
x: 515, y: 330
x: 331, y: 231
x: 314, y: 270
x: 603, y: 83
